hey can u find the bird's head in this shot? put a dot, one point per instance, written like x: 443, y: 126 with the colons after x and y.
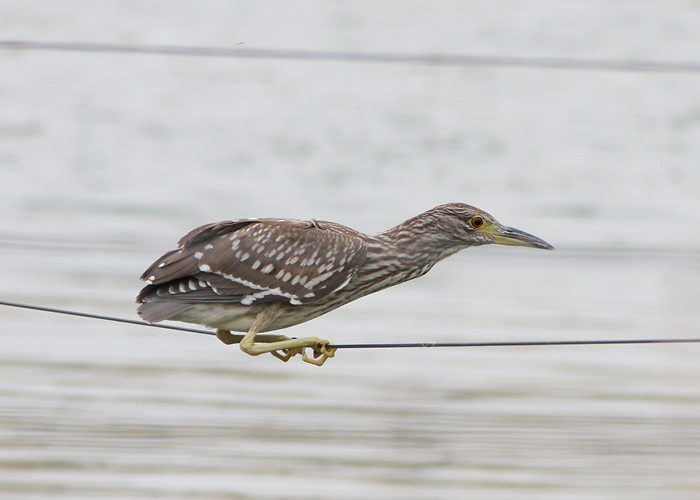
x: 469, y: 226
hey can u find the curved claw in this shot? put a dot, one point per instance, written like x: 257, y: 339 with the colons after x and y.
x: 286, y: 354
x: 321, y: 353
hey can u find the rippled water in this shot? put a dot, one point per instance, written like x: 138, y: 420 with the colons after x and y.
x: 106, y: 160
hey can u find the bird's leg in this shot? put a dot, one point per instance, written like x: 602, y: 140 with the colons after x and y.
x: 288, y: 347
x: 229, y: 338
x: 319, y: 349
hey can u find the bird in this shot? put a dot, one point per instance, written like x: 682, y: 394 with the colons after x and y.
x: 265, y: 274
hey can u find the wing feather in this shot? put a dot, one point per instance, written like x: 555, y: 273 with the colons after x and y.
x: 254, y: 261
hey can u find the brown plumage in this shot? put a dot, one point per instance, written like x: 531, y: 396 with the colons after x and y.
x: 258, y: 275
x: 252, y: 262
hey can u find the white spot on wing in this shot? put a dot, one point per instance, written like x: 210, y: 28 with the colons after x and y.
x: 344, y: 283
x: 205, y: 268
x: 312, y: 283
x: 267, y: 269
x: 256, y: 264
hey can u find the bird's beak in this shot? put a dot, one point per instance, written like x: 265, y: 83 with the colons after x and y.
x: 504, y: 235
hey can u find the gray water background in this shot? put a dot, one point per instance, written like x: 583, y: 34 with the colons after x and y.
x: 107, y: 159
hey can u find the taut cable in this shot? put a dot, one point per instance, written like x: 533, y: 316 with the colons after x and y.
x: 404, y: 345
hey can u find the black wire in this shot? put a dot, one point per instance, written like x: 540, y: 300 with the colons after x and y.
x: 104, y: 318
x: 272, y: 338
x: 511, y: 344
x: 371, y: 57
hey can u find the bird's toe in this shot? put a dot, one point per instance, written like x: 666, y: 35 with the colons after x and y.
x: 321, y: 352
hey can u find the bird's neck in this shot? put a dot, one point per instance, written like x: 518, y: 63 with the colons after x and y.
x: 397, y: 255
x: 414, y: 250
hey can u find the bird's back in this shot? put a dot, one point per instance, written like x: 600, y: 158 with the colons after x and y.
x: 247, y: 262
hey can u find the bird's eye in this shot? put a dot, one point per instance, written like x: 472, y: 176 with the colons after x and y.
x: 476, y: 222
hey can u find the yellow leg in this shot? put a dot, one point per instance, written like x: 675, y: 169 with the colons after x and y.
x: 278, y: 345
x: 229, y: 338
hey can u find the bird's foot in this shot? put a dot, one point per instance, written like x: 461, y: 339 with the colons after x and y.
x: 286, y: 354
x: 283, y: 348
x: 321, y: 352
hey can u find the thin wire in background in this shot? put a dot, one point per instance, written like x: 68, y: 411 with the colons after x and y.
x: 400, y: 345
x: 692, y: 67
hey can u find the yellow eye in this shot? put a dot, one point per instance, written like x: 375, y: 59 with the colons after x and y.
x: 477, y: 222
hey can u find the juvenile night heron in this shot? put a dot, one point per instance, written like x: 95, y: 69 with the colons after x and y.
x: 259, y: 275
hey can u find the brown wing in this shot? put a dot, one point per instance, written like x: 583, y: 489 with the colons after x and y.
x: 250, y: 262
